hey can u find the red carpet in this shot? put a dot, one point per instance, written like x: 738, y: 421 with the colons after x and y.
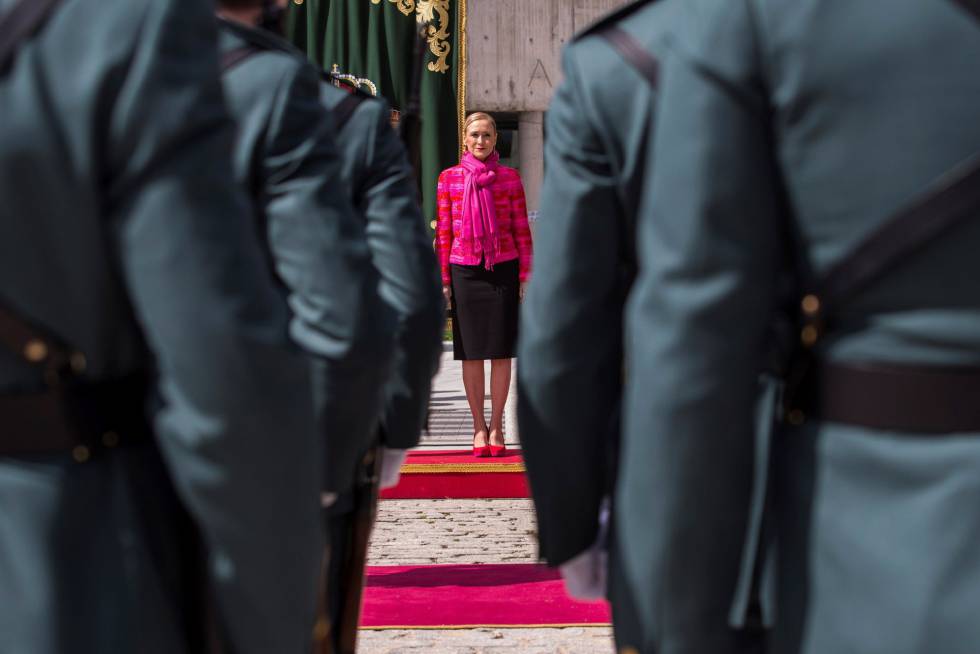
x: 466, y: 596
x: 457, y: 474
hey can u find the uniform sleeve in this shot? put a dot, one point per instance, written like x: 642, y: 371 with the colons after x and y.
x: 402, y: 253
x: 236, y: 427
x: 521, y: 229
x: 569, y: 370
x: 444, y: 226
x: 320, y: 250
x: 708, y: 251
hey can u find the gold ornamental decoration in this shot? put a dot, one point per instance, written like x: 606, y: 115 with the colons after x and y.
x: 404, y: 6
x: 434, y: 14
x: 436, y: 31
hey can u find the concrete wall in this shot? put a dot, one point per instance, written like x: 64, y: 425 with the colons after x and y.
x: 514, y: 55
x: 515, y: 49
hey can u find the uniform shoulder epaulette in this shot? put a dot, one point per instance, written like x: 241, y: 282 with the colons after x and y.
x: 612, y: 18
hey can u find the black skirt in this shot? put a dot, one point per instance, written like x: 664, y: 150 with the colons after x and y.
x: 485, y: 306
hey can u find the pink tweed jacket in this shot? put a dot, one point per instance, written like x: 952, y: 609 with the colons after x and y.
x: 515, y: 234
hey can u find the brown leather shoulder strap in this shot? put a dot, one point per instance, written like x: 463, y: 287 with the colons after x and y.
x: 21, y: 22
x: 972, y: 6
x: 952, y: 199
x: 632, y: 51
x: 345, y: 109
x: 234, y: 57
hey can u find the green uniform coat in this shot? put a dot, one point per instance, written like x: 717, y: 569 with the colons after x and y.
x: 832, y: 115
x: 376, y: 170
x: 123, y: 234
x: 285, y: 154
x: 599, y: 128
x: 597, y: 160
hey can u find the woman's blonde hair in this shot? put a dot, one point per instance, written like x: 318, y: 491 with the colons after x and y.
x: 475, y: 116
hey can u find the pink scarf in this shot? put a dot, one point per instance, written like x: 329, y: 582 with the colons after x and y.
x: 479, y: 212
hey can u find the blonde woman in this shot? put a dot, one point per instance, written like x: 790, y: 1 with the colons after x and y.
x: 485, y: 249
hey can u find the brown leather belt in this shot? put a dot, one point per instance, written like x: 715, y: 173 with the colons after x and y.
x: 916, y: 399
x: 78, y: 418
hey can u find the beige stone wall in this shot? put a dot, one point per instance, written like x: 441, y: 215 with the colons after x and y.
x: 514, y: 49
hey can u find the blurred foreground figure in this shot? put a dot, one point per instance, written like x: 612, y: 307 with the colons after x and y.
x: 376, y: 172
x: 158, y: 473
x: 598, y: 159
x: 837, y: 143
x: 286, y: 157
x: 355, y: 277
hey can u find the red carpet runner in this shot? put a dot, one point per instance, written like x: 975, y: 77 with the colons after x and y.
x: 468, y: 596
x: 457, y: 474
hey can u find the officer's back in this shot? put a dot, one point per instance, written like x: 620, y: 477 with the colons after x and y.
x: 597, y: 161
x: 119, y: 242
x: 285, y: 155
x: 376, y: 172
x: 800, y: 128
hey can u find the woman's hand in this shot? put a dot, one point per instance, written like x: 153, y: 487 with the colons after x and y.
x: 447, y: 292
x: 522, y: 292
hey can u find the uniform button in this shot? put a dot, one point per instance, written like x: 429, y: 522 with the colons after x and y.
x: 110, y: 439
x: 795, y: 417
x: 321, y: 629
x: 78, y: 363
x: 810, y: 304
x: 35, y: 351
x: 809, y: 335
x: 629, y: 650
x: 80, y: 453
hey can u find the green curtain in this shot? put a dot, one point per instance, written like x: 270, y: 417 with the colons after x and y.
x: 374, y: 39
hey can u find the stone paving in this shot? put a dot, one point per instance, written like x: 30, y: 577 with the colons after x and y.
x: 429, y: 532
x: 419, y: 532
x: 570, y: 640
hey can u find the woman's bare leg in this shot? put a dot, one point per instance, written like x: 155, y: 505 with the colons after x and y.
x: 475, y: 391
x: 499, y: 385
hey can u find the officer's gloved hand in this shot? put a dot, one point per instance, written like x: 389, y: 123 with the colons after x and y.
x: 585, y: 575
x: 391, y: 467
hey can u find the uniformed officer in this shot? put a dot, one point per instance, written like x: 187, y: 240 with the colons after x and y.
x: 285, y: 154
x: 597, y: 159
x: 376, y: 171
x: 134, y: 304
x: 803, y: 131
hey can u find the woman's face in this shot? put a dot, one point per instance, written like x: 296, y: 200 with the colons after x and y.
x: 480, y: 139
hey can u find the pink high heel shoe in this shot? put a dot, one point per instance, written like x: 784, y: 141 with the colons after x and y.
x: 482, y: 451
x: 497, y: 450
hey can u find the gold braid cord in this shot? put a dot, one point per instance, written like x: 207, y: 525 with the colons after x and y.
x: 434, y: 14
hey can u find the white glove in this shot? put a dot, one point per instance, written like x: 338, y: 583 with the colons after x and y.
x: 585, y: 575
x: 391, y: 467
